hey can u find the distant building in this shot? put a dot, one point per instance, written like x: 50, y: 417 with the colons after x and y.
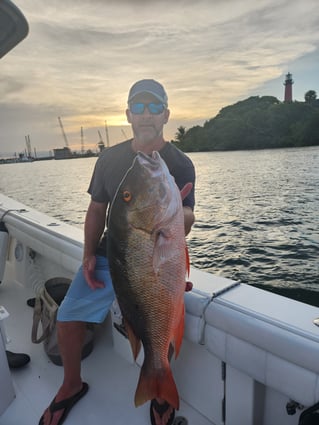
x: 64, y: 153
x: 288, y: 87
x: 101, y: 146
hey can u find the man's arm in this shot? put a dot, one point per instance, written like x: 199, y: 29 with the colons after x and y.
x: 189, y: 216
x: 93, y: 229
x: 189, y: 219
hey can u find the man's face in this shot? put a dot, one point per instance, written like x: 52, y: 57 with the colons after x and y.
x: 147, y: 127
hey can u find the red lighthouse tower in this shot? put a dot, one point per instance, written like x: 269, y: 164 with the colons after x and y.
x: 288, y: 87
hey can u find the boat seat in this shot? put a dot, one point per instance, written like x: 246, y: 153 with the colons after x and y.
x: 268, y: 337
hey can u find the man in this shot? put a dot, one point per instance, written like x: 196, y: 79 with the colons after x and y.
x: 91, y: 293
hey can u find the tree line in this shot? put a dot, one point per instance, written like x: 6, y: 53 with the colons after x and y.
x: 256, y: 123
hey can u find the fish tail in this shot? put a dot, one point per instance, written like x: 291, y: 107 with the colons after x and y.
x: 158, y: 385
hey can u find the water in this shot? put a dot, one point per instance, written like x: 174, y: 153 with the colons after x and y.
x: 257, y: 219
x: 256, y: 212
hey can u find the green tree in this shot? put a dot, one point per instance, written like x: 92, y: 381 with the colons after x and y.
x: 180, y: 134
x: 256, y: 123
x: 310, y: 96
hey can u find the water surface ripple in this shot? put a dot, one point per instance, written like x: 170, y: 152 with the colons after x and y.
x: 257, y: 215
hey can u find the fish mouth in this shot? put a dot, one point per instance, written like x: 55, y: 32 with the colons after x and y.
x: 145, y: 160
x: 153, y: 165
x: 161, y: 201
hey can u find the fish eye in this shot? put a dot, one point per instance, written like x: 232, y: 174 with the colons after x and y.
x: 127, y: 196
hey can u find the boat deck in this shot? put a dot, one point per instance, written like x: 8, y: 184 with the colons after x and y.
x: 111, y: 378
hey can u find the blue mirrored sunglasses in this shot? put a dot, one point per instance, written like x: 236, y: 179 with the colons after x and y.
x: 154, y: 108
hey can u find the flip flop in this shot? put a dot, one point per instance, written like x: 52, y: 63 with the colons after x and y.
x: 65, y: 404
x: 161, y: 409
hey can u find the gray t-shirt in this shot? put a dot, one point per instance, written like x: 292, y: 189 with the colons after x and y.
x: 113, y: 164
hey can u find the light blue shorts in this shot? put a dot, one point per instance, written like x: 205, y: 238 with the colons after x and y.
x: 84, y: 304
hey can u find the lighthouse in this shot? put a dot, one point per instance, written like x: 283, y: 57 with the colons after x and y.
x: 288, y: 87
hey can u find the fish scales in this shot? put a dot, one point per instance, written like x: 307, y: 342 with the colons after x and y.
x: 147, y: 256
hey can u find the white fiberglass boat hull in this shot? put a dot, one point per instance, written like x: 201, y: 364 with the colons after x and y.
x: 246, y: 352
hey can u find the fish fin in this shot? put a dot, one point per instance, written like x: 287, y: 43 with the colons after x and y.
x: 163, y: 250
x: 188, y: 264
x: 157, y: 385
x: 134, y: 341
x: 186, y: 190
x: 179, y: 333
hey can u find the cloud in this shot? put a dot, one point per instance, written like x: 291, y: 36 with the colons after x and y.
x: 81, y: 57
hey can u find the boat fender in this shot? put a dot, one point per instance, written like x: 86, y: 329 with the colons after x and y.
x: 4, y: 242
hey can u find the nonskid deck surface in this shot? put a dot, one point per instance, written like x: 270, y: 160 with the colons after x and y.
x: 111, y: 378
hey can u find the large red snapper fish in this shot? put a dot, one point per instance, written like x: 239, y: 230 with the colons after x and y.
x: 148, y: 262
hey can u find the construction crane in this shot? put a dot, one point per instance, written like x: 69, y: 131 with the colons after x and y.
x: 107, y: 135
x: 101, y: 143
x: 63, y: 133
x: 100, y: 137
x: 82, y: 142
x: 28, y: 144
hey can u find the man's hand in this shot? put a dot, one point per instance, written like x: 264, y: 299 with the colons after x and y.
x: 89, y: 273
x: 188, y: 286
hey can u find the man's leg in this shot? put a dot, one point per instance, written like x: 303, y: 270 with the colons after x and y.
x: 71, y: 337
x: 80, y: 305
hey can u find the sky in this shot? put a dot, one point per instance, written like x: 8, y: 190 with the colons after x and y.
x: 81, y: 57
